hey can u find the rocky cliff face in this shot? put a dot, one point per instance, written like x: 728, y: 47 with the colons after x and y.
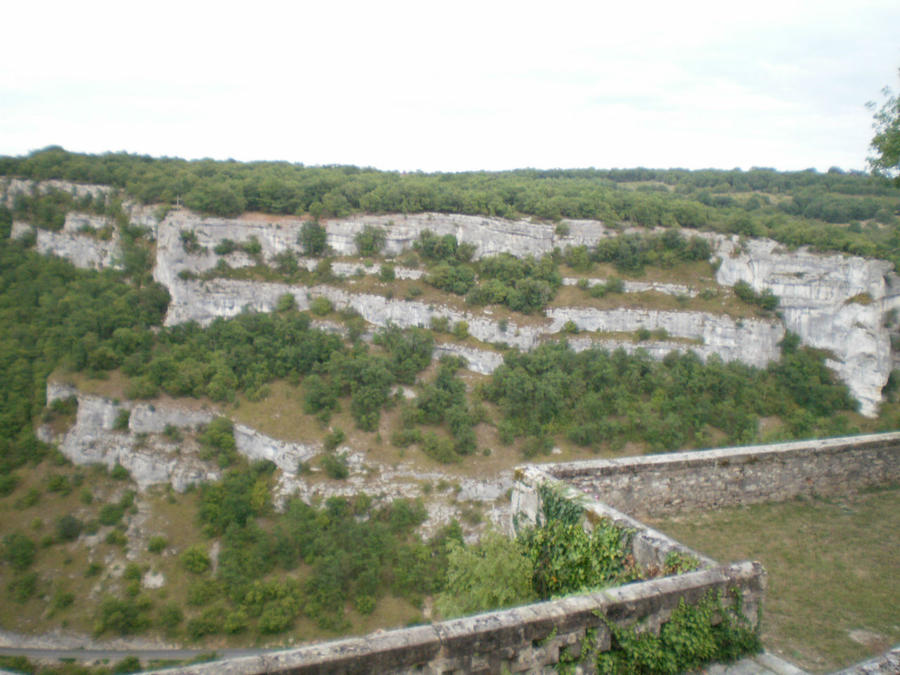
x: 833, y: 302
x: 838, y: 303
x: 151, y: 458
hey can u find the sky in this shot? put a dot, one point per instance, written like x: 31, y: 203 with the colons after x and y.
x: 453, y: 86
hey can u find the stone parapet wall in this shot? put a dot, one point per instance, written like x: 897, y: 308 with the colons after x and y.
x: 732, y: 476
x: 650, y: 548
x: 523, y: 639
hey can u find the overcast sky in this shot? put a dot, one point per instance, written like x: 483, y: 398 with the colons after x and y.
x: 453, y: 86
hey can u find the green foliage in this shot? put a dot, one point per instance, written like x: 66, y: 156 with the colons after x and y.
x: 765, y: 300
x: 320, y: 306
x: 313, y: 238
x: 334, y: 439
x: 708, y: 199
x: 410, y: 351
x: 370, y: 240
x: 457, y: 279
x: 679, y: 563
x: 123, y: 616
x: 157, y: 544
x: 633, y: 252
x: 386, y: 273
x: 18, y: 550
x: 68, y: 527
x: 121, y: 421
x: 567, y: 559
x: 217, y: 440
x: 335, y: 466
x: 23, y: 587
x: 286, y: 303
x: 492, y: 574
x: 62, y: 316
x: 231, y: 500
x: 195, y: 559
x: 444, y: 402
x: 596, y: 397
x: 693, y: 636
x: 110, y: 514
x: 885, y: 144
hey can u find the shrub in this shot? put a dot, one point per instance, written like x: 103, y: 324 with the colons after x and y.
x: 321, y: 306
x: 286, y: 303
x: 18, y: 550
x: 461, y: 330
x: 23, y: 587
x: 59, y: 483
x: 386, y: 273
x: 492, y: 574
x: 116, y: 538
x: 335, y: 466
x: 122, y: 417
x: 119, y: 472
x: 313, y: 238
x: 68, y: 527
x: 334, y: 439
x: 195, y: 559
x: 440, y: 324
x: 125, y: 617
x: 110, y: 514
x: 439, y: 448
x: 370, y: 240
x: 157, y: 544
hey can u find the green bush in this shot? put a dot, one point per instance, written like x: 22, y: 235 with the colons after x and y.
x: 335, y: 466
x: 119, y: 472
x: 68, y: 527
x: 334, y: 439
x: 320, y: 306
x: 23, y: 587
x: 370, y: 240
x: 18, y: 550
x: 195, y: 559
x: 313, y: 238
x: 110, y: 514
x: 492, y: 574
x: 157, y: 544
x: 122, y: 417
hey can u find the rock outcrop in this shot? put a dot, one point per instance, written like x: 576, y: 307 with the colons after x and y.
x: 833, y: 302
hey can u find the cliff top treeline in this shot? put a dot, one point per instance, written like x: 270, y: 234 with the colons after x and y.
x: 836, y: 211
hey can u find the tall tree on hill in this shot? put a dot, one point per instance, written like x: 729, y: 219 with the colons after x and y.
x: 886, y: 142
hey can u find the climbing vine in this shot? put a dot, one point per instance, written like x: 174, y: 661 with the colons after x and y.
x: 693, y: 636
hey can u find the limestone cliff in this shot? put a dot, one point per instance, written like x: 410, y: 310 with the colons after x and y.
x: 841, y: 304
x: 833, y: 302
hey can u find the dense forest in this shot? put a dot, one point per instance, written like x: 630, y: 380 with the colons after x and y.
x: 826, y: 211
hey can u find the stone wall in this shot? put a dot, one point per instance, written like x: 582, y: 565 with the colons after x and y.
x: 730, y: 476
x: 523, y: 639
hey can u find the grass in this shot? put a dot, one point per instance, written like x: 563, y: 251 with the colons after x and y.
x: 833, y: 595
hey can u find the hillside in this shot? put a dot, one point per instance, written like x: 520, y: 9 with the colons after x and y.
x: 390, y: 346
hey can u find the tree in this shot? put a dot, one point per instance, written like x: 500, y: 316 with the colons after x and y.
x: 886, y: 142
x: 492, y: 574
x: 313, y: 238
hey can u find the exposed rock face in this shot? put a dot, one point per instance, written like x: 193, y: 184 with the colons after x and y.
x: 151, y: 458
x: 833, y: 302
x: 78, y: 245
x: 641, y: 286
x: 92, y: 440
